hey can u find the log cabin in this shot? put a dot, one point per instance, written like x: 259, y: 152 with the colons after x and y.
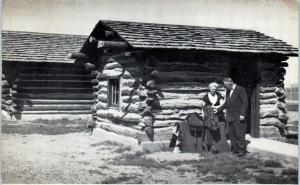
x: 39, y: 81
x: 147, y: 77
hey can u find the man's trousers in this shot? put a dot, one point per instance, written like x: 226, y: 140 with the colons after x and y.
x: 237, y: 132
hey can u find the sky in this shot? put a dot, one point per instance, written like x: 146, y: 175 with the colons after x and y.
x: 276, y: 18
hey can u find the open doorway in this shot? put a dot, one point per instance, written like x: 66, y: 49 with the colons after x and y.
x: 246, y: 76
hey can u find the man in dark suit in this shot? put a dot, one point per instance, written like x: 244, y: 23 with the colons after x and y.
x: 236, y: 109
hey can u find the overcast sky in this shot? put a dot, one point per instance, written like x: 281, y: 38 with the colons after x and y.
x: 277, y: 18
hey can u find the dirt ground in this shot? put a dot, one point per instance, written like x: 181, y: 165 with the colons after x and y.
x: 108, y: 158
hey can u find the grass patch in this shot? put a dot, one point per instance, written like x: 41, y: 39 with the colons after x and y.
x: 289, y: 171
x: 138, y: 159
x: 116, y: 180
x: 273, y: 179
x: 84, y: 162
x: 45, y: 127
x: 123, y: 149
x: 97, y: 172
x: 109, y: 143
x: 268, y: 171
x: 272, y: 163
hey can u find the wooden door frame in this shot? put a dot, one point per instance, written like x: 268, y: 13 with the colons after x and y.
x: 255, y: 105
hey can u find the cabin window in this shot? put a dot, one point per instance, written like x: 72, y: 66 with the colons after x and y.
x: 113, y: 92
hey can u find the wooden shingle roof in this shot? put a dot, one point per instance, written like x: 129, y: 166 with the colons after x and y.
x: 39, y: 47
x: 149, y: 35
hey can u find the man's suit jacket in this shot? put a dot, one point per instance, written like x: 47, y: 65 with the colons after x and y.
x: 235, y: 105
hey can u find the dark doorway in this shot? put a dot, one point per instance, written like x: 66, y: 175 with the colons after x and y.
x: 246, y: 76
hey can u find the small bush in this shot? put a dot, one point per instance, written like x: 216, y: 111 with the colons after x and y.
x: 272, y: 163
x: 289, y: 171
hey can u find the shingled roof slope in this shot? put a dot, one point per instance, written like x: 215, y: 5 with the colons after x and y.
x: 39, y: 47
x: 149, y: 35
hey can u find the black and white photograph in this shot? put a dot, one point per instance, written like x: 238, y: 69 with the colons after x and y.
x: 149, y: 92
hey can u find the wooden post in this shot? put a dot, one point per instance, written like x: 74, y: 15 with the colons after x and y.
x: 255, y: 132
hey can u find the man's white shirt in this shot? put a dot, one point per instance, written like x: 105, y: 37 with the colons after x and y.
x: 231, y: 91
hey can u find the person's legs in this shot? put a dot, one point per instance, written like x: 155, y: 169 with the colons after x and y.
x: 232, y: 137
x: 240, y: 131
x: 208, y: 139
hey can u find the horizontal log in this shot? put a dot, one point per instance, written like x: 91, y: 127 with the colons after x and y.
x: 283, y: 118
x: 103, y: 90
x: 267, y: 89
x: 166, y: 123
x: 112, y: 73
x: 267, y: 95
x: 183, y: 88
x: 279, y: 91
x: 7, y: 108
x: 171, y: 104
x: 101, y: 105
x: 187, y: 96
x: 160, y: 134
x: 115, y: 114
x: 78, y: 56
x: 63, y: 96
x: 102, y: 98
x: 270, y: 122
x: 54, y: 107
x: 5, y: 83
x: 131, y: 99
x: 182, y: 112
x: 118, y: 129
x: 111, y: 44
x: 128, y: 82
x: 281, y: 97
x: 112, y: 65
x: 185, y: 66
x: 187, y: 76
x: 102, y: 83
x: 6, y: 102
x: 268, y: 112
x: 6, y: 96
x: 6, y: 90
x: 269, y: 101
x: 281, y: 105
x: 132, y: 107
x: 33, y: 102
x: 284, y: 64
x: 169, y: 117
x: 128, y: 91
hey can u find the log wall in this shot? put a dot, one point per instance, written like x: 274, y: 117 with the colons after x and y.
x: 273, y: 112
x: 182, y: 82
x: 124, y: 67
x: 157, y: 91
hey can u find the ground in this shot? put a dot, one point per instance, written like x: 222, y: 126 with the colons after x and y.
x: 32, y: 155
